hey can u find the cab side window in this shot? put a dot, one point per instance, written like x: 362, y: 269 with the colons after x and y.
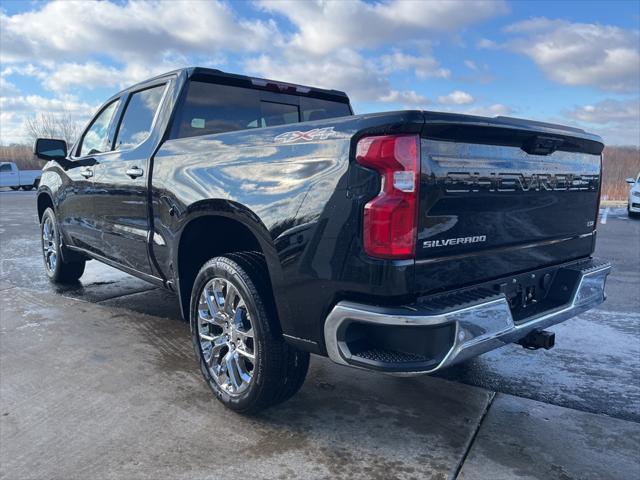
x: 138, y: 117
x: 5, y: 167
x: 212, y: 108
x: 96, y: 138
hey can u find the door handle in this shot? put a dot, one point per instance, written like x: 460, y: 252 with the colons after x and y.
x: 86, y: 173
x: 135, y: 172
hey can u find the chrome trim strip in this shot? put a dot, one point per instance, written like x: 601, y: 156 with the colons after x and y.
x: 479, y: 328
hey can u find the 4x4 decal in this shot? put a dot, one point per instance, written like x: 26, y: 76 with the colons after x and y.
x: 315, y: 134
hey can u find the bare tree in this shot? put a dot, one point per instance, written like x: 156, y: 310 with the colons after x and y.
x: 53, y: 125
x: 21, y: 155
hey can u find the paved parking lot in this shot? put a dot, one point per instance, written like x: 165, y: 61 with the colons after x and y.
x: 99, y: 381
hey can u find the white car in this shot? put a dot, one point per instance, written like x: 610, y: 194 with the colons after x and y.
x: 633, y: 207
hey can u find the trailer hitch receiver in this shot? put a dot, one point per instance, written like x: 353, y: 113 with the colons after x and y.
x: 538, y: 339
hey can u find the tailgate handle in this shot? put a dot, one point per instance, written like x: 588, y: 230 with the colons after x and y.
x: 542, y: 145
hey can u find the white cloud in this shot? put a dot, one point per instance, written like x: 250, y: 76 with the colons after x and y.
x: 457, y: 97
x: 30, y: 103
x: 323, y: 27
x: 89, y: 75
x: 141, y: 31
x: 608, y: 111
x: 493, y: 110
x: 581, y: 54
x: 424, y: 66
x: 407, y: 98
x: 471, y: 65
x: 92, y: 75
x: 617, y: 121
x: 485, y: 43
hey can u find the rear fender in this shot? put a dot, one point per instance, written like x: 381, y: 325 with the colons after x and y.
x: 250, y: 220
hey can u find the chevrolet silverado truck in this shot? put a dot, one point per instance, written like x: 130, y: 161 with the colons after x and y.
x: 11, y: 176
x: 401, y: 242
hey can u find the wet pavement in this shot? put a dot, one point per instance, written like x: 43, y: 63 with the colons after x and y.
x: 595, y: 365
x: 545, y: 441
x: 99, y: 381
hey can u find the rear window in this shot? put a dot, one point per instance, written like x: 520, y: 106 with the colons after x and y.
x: 318, y: 109
x: 210, y: 108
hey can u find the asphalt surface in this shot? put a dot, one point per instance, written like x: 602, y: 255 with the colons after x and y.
x: 99, y: 381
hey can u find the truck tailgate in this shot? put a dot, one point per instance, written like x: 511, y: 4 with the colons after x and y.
x: 502, y: 196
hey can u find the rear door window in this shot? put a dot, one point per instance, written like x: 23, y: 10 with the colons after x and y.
x: 137, y: 120
x: 96, y: 138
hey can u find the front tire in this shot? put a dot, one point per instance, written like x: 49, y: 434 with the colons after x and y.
x: 242, y: 355
x: 56, y: 268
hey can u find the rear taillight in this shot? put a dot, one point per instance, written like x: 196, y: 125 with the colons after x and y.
x: 390, y: 219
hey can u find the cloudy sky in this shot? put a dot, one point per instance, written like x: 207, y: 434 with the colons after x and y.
x: 571, y: 62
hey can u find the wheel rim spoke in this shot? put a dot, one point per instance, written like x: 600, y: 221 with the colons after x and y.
x: 209, y: 338
x: 244, y: 336
x: 211, y: 304
x: 229, y: 298
x: 226, y: 336
x: 245, y: 353
x: 232, y: 370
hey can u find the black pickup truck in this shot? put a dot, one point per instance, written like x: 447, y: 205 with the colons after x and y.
x: 401, y: 242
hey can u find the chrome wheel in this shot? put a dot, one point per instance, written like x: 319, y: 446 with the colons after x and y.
x: 226, y: 336
x: 49, y: 244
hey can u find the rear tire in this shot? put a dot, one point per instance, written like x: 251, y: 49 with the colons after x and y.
x: 15, y: 189
x: 56, y: 268
x: 27, y: 188
x: 231, y: 307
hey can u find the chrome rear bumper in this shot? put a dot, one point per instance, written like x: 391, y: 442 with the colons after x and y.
x: 484, y: 325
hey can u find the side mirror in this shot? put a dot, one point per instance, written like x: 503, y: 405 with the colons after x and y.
x: 50, y: 149
x: 631, y: 180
